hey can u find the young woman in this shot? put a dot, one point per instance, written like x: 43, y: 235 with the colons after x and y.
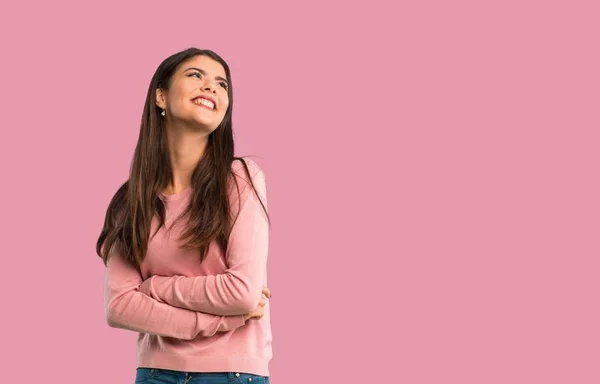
x: 185, y: 238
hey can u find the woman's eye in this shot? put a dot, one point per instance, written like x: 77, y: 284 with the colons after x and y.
x: 199, y: 75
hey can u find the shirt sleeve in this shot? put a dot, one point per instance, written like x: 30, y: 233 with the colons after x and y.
x: 127, y: 308
x: 238, y: 290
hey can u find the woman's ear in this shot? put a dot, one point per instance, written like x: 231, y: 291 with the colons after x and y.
x: 160, y: 98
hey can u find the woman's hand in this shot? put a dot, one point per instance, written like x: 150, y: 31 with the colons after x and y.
x: 259, y: 311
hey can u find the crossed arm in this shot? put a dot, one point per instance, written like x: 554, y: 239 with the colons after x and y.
x: 128, y: 308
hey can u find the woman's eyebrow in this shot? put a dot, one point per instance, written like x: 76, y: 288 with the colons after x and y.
x: 202, y: 71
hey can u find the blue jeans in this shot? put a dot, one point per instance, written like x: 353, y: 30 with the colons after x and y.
x: 165, y: 376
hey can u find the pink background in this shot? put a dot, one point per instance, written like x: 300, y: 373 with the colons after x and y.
x: 432, y: 173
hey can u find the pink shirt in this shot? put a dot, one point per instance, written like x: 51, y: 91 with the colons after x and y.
x: 189, y: 314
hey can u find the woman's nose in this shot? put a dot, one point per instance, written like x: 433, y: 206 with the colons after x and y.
x: 208, y: 86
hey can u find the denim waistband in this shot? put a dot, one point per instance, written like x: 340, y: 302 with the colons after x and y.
x: 145, y: 374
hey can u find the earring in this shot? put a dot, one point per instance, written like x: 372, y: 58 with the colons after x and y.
x: 163, y: 112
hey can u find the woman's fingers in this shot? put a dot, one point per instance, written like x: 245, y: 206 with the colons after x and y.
x: 267, y: 292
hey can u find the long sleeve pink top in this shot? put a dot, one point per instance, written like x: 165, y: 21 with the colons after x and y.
x: 189, y: 314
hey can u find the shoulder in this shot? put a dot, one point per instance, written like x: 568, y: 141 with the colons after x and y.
x: 242, y: 185
x: 243, y: 166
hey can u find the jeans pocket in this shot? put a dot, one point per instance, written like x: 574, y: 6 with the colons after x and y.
x: 144, y: 374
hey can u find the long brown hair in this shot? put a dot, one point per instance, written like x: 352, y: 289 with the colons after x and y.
x: 129, y: 214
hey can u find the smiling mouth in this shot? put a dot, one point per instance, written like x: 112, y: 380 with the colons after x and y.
x: 202, y: 102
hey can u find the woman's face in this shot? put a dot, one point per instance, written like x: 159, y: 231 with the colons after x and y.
x: 198, y: 94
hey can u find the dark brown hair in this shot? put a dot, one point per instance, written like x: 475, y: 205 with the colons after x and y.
x: 129, y: 214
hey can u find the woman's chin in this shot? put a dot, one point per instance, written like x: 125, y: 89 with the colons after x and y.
x: 198, y: 123
x: 205, y: 121
x: 205, y: 126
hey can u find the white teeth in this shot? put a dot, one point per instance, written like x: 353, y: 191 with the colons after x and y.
x: 202, y: 101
